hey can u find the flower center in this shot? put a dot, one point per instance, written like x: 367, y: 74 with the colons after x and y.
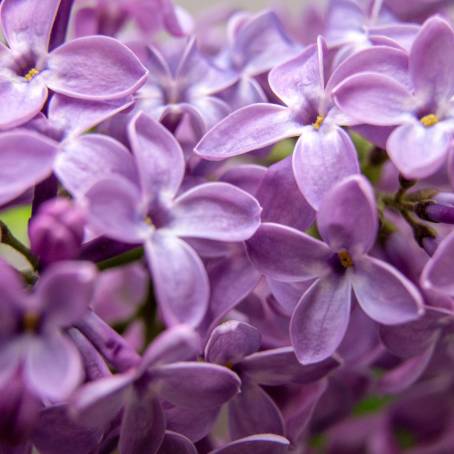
x: 31, y: 74
x: 429, y: 120
x: 31, y: 322
x: 345, y: 259
x: 318, y: 122
x: 148, y: 220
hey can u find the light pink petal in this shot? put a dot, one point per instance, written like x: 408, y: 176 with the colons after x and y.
x: 180, y: 280
x: 385, y: 294
x: 321, y: 159
x: 249, y: 128
x: 94, y: 68
x: 320, y: 320
x: 27, y: 23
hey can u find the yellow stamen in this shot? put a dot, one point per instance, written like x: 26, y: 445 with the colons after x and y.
x: 30, y: 322
x: 345, y: 259
x: 318, y: 122
x: 31, y: 74
x: 148, y: 220
x: 429, y: 120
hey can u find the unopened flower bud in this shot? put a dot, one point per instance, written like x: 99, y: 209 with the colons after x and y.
x: 57, y: 230
x: 439, y: 209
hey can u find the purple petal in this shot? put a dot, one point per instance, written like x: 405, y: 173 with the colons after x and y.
x: 286, y: 206
x: 176, y: 443
x: 27, y: 24
x: 98, y: 402
x: 253, y: 411
x: 263, y: 444
x: 280, y: 367
x: 212, y: 110
x: 287, y: 294
x: 26, y: 158
x: 419, y: 151
x: 249, y: 128
x: 321, y: 159
x: 143, y: 425
x: 438, y: 274
x: 216, y: 211
x: 320, y: 320
x: 247, y: 177
x: 94, y: 68
x: 76, y: 116
x: 158, y: 155
x: 385, y: 294
x: 180, y: 279
x: 91, y: 157
x: 22, y: 100
x: 299, y: 82
x: 180, y: 343
x: 348, y: 216
x: 286, y: 254
x: 65, y: 291
x: 53, y: 368
x: 196, y: 385
x: 374, y: 99
x: 113, y: 208
x: 431, y: 63
x: 231, y: 342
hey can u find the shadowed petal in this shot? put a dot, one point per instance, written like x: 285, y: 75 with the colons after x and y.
x: 438, y: 274
x: 231, y: 341
x: 374, y: 99
x: 53, y: 367
x: 263, y: 444
x: 143, y: 425
x: 159, y: 156
x: 249, y: 128
x: 253, y: 411
x: 196, y: 385
x: 348, y: 216
x: 385, y: 294
x: 216, y: 211
x: 280, y: 366
x: 320, y: 320
x: 176, y: 443
x: 27, y: 23
x: 431, y: 62
x: 180, y: 279
x: 418, y: 151
x: 26, y: 159
x: 321, y: 159
x: 286, y: 254
x: 94, y: 68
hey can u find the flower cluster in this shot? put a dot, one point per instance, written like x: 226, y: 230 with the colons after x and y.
x: 240, y: 230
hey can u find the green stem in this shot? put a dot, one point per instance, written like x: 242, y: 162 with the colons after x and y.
x: 127, y: 257
x: 8, y: 238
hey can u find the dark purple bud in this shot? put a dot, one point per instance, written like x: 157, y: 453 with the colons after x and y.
x: 57, y: 230
x: 439, y: 209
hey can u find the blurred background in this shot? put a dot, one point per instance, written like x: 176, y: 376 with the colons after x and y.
x: 197, y: 5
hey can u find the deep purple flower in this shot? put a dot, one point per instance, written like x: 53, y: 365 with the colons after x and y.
x: 154, y: 214
x: 94, y: 68
x: 347, y: 221
x: 419, y: 106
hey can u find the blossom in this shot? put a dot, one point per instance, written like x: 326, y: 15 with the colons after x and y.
x: 347, y: 221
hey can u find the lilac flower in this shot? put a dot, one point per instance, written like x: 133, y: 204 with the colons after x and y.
x: 162, y: 376
x: 323, y: 154
x: 253, y: 411
x: 153, y: 214
x: 76, y: 69
x: 347, y: 221
x: 419, y: 107
x: 32, y: 340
